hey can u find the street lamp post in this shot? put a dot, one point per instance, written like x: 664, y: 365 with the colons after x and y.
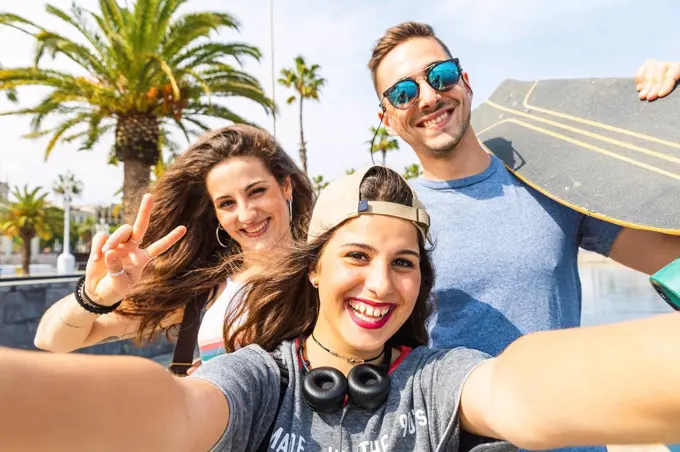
x: 101, y: 227
x: 66, y: 262
x: 271, y: 49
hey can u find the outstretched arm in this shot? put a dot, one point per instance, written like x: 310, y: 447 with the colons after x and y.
x: 614, y: 384
x: 85, y: 403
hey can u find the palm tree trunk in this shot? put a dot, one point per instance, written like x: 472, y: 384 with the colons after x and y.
x: 303, y: 146
x: 137, y: 136
x: 384, y: 155
x: 136, y: 178
x: 26, y: 258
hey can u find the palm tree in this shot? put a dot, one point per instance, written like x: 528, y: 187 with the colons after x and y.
x: 412, y: 171
x: 318, y: 184
x: 29, y: 216
x: 382, y: 142
x: 67, y: 184
x: 307, y: 84
x: 147, y: 69
x: 85, y: 231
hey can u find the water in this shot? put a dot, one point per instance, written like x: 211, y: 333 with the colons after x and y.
x: 614, y: 293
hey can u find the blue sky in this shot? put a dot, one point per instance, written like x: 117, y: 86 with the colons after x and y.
x: 495, y: 40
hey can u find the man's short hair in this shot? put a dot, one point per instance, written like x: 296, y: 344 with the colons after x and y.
x: 397, y: 35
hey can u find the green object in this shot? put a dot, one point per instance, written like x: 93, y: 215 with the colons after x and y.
x: 666, y: 282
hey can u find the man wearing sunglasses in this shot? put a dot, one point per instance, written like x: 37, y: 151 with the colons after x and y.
x: 505, y: 255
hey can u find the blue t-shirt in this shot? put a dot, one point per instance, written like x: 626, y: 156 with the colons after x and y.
x: 505, y: 258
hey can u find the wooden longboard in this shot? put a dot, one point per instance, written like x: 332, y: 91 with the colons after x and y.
x: 590, y: 144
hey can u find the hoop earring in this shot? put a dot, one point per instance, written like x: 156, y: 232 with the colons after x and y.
x: 217, y: 235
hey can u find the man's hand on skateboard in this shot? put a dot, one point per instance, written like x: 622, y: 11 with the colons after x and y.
x: 656, y: 78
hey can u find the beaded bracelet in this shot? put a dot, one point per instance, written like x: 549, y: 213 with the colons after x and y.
x: 86, y: 302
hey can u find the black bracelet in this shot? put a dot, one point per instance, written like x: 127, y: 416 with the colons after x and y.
x: 86, y: 303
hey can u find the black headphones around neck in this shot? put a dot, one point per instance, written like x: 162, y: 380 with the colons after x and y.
x: 326, y: 388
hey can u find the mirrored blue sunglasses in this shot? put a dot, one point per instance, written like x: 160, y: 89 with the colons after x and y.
x: 441, y: 76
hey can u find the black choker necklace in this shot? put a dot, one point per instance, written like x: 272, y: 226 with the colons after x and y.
x: 346, y: 358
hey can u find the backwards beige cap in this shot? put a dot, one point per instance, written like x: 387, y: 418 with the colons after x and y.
x: 340, y: 201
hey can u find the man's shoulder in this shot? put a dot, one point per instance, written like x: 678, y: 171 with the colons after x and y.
x: 499, y: 186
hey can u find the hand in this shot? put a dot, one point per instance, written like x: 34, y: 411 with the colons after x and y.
x: 656, y: 79
x: 195, y: 365
x: 116, y: 262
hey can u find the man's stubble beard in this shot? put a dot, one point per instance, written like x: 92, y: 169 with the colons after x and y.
x: 445, y: 149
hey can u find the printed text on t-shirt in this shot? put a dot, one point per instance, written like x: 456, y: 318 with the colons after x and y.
x: 407, y: 425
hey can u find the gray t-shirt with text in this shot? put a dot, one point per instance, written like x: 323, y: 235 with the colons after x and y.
x: 420, y: 414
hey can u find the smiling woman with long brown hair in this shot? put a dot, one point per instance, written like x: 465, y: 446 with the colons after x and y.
x: 332, y: 358
x: 234, y: 190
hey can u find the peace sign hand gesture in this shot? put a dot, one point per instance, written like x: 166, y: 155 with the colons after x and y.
x: 116, y: 262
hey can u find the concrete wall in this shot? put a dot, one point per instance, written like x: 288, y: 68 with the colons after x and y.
x: 22, y: 304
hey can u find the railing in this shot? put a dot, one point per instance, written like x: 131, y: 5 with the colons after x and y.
x: 24, y: 299
x: 39, y: 279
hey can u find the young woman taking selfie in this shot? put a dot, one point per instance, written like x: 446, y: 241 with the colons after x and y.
x: 333, y: 357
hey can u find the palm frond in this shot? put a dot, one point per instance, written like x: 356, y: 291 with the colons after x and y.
x: 94, y: 132
x: 207, y: 91
x: 227, y: 74
x: 144, y: 14
x: 205, y: 53
x: 167, y: 70
x: 217, y: 111
x: 80, y: 23
x: 119, y: 46
x: 165, y: 14
x: 112, y: 15
x: 79, y: 54
x: 249, y: 92
x: 19, y: 23
x: 180, y: 125
x: 201, y: 125
x: 191, y: 27
x: 64, y: 127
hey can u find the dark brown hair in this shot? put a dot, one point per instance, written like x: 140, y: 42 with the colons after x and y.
x: 181, y: 198
x: 281, y: 304
x: 397, y: 35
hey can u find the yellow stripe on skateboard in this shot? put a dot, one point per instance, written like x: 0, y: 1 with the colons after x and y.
x: 589, y: 122
x: 591, y: 147
x: 567, y: 203
x: 595, y: 136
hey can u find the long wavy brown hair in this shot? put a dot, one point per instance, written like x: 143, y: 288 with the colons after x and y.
x: 181, y: 198
x: 281, y: 304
